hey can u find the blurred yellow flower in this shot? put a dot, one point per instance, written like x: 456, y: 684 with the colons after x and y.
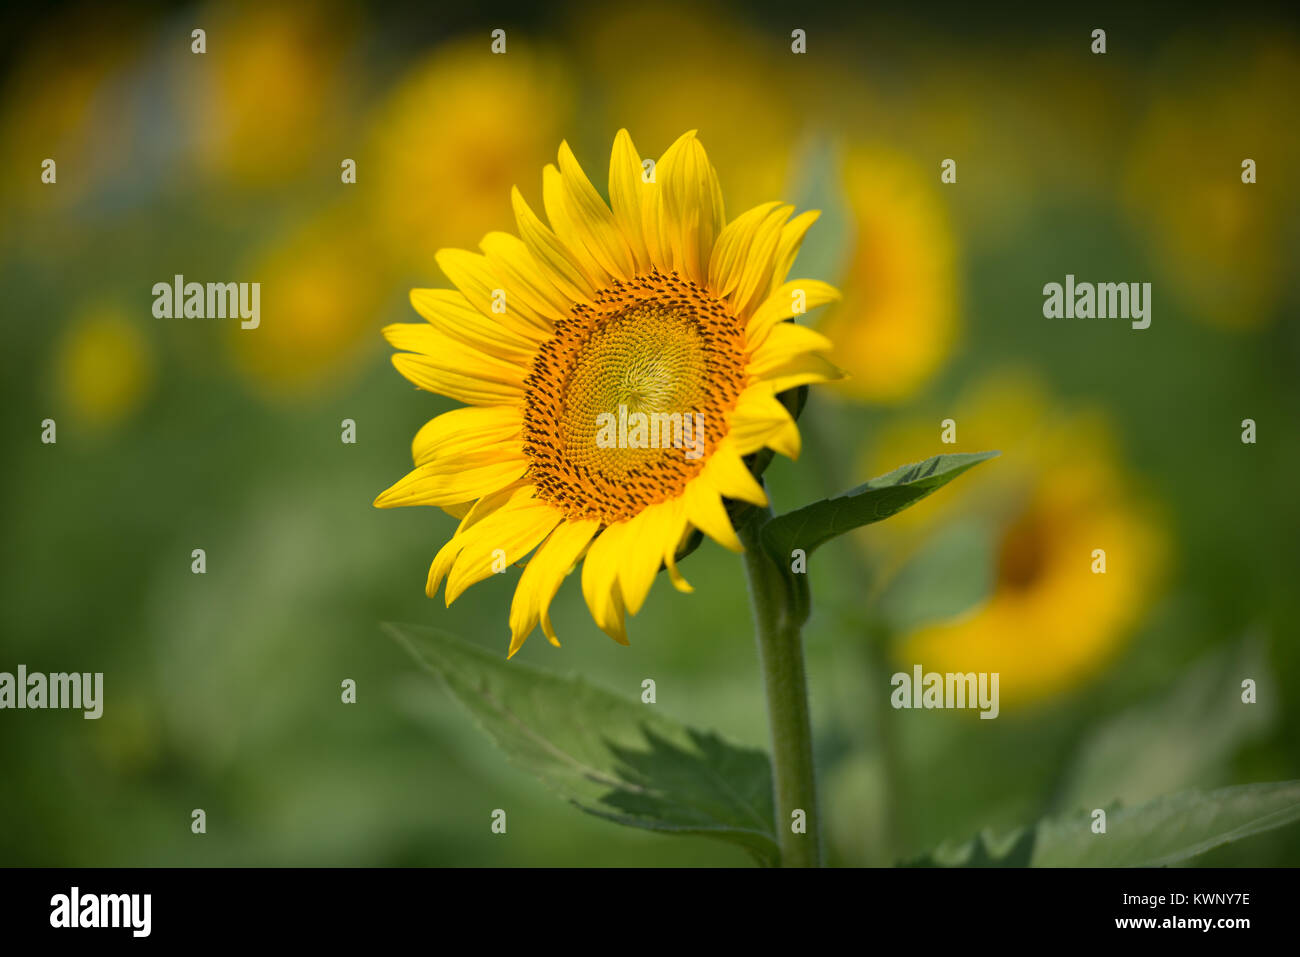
x: 270, y: 90
x: 323, y: 291
x: 1059, y: 494
x: 458, y: 132
x: 1222, y: 242
x: 103, y: 368
x: 65, y: 101
x: 898, y: 322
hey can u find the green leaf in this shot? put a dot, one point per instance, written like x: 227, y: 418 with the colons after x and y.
x: 983, y: 850
x: 612, y: 757
x: 1169, y: 829
x: 1165, y: 831
x: 811, y: 526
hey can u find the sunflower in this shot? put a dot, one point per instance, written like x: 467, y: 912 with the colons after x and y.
x: 899, y: 319
x: 1051, y: 621
x: 650, y: 308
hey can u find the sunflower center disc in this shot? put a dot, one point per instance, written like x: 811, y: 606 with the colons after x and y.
x: 629, y: 398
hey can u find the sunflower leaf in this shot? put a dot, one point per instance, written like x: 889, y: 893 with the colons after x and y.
x: 1167, y: 830
x: 610, y: 756
x: 983, y: 850
x: 811, y: 526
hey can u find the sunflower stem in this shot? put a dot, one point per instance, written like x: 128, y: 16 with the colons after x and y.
x: 780, y: 656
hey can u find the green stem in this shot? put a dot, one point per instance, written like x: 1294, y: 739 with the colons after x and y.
x: 895, y: 796
x: 780, y: 655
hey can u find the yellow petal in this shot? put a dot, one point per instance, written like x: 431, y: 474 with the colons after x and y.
x: 474, y: 276
x: 485, y: 506
x: 756, y: 275
x: 727, y: 474
x: 450, y: 313
x: 542, y: 577
x: 424, y: 339
x: 650, y: 531
x: 553, y: 256
x: 692, y: 205
x: 506, y: 535
x: 681, y: 529
x: 472, y: 389
x: 802, y: 370
x: 600, y: 582
x: 654, y: 229
x: 570, y: 228
x: 627, y: 191
x: 759, y: 420
x: 792, y: 234
x: 443, y: 483
x: 797, y: 294
x: 596, y: 225
x: 728, y: 260
x: 705, y: 511
x: 785, y: 342
x: 465, y: 431
x: 529, y: 291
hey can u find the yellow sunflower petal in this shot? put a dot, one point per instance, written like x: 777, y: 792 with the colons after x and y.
x: 421, y: 338
x: 802, y: 370
x: 727, y: 262
x: 792, y: 234
x: 529, y: 292
x: 505, y: 536
x: 652, y: 531
x: 790, y: 298
x: 554, y: 257
x: 654, y: 227
x: 692, y: 205
x: 443, y: 483
x: 627, y: 192
x: 756, y: 274
x: 474, y: 276
x: 681, y: 530
x: 705, y: 511
x: 466, y: 430
x: 542, y: 577
x: 759, y: 420
x: 728, y: 475
x: 785, y: 342
x: 472, y: 389
x: 452, y: 315
x: 600, y: 582
x: 571, y: 229
x: 485, y: 506
x: 597, y: 228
